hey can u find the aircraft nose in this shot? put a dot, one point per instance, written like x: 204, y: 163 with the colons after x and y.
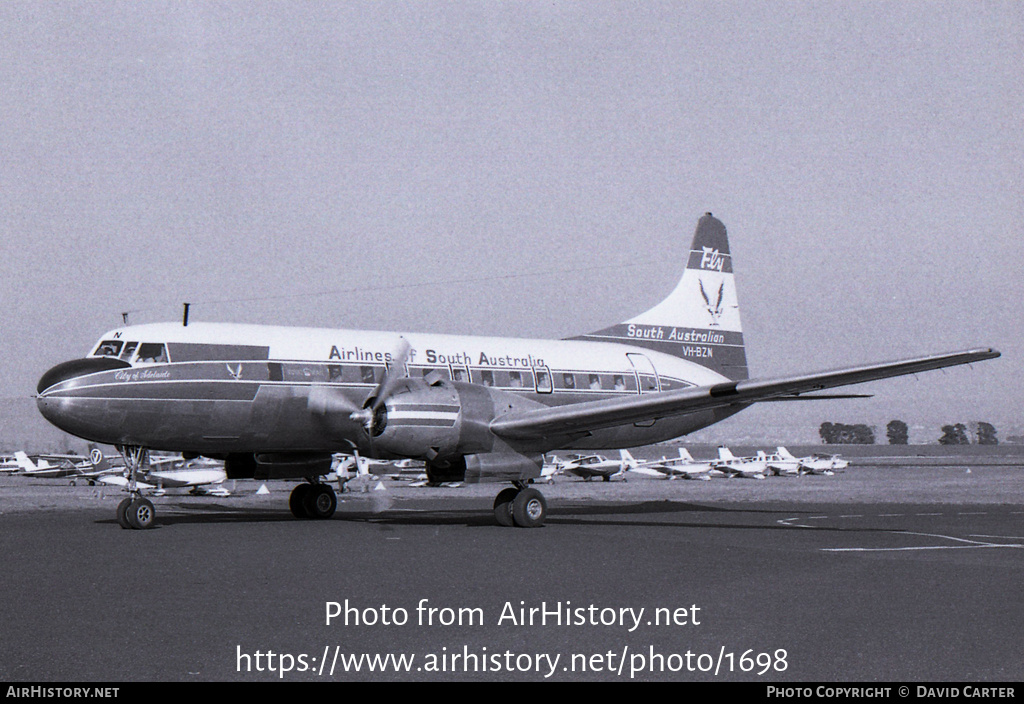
x: 77, y: 368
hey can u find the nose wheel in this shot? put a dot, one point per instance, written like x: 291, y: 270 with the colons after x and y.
x: 520, y: 506
x: 136, y: 511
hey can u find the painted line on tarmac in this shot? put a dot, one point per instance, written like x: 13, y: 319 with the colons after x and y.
x: 972, y: 544
x: 967, y: 544
x: 1001, y: 537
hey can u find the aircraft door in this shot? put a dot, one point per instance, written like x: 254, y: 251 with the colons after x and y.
x: 542, y: 378
x: 646, y: 375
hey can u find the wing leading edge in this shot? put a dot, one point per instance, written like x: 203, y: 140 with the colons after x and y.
x: 594, y: 415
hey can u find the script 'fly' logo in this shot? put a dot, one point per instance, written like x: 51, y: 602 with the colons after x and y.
x: 716, y: 309
x: 235, y: 373
x: 711, y: 259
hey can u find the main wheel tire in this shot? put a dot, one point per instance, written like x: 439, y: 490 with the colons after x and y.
x: 122, y: 513
x: 297, y: 500
x: 140, y: 513
x: 320, y: 502
x: 529, y: 509
x: 503, y: 506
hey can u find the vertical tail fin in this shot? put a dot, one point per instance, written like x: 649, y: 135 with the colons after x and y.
x: 700, y: 320
x: 724, y: 453
x: 24, y: 462
x: 785, y: 454
x: 98, y: 460
x: 627, y: 459
x: 685, y: 454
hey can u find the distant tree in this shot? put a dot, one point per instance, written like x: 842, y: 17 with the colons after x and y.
x: 842, y: 434
x: 897, y: 432
x: 954, y: 435
x: 987, y: 434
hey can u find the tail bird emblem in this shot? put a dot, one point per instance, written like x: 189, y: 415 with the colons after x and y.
x: 714, y: 310
x: 235, y: 373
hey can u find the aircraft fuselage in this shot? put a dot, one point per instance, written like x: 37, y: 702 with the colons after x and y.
x: 223, y: 388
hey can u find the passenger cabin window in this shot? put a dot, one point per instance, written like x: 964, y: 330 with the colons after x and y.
x: 569, y: 381
x: 152, y: 353
x: 367, y: 375
x: 487, y: 377
x: 108, y: 348
x: 515, y: 380
x: 619, y: 382
x: 595, y: 382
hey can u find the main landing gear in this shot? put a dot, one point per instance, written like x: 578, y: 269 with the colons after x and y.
x: 520, y: 505
x: 136, y: 511
x: 313, y: 500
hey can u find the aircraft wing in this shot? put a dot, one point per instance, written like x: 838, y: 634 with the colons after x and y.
x: 116, y: 480
x: 580, y: 418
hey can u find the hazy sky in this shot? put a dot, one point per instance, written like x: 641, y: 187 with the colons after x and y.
x: 480, y: 167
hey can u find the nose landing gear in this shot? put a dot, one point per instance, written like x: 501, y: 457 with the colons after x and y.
x: 136, y: 511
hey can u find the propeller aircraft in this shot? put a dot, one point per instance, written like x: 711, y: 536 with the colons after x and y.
x: 278, y: 402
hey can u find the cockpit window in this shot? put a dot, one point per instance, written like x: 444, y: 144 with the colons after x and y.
x: 152, y: 353
x: 108, y: 348
x: 128, y: 349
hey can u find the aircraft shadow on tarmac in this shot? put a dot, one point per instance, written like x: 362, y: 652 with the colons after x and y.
x: 568, y: 513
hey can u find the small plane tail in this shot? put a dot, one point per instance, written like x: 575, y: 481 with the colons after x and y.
x: 98, y: 460
x: 685, y: 454
x: 724, y: 453
x: 700, y: 319
x: 24, y: 462
x: 627, y: 460
x: 785, y: 454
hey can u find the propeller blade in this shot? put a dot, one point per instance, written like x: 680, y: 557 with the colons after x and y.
x: 324, y: 400
x: 393, y: 374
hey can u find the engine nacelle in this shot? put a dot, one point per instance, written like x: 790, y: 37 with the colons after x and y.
x: 488, y: 467
x: 419, y: 420
x: 443, y: 420
x: 503, y: 467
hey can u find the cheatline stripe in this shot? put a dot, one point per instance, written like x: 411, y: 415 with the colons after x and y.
x: 425, y: 415
x: 636, y: 340
x: 443, y: 408
x: 433, y: 422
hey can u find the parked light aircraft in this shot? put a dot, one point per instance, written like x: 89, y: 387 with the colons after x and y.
x: 746, y: 467
x: 683, y: 466
x: 277, y: 402
x: 88, y: 468
x: 549, y: 470
x: 590, y: 467
x: 781, y: 463
x: 175, y: 473
x: 816, y: 464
